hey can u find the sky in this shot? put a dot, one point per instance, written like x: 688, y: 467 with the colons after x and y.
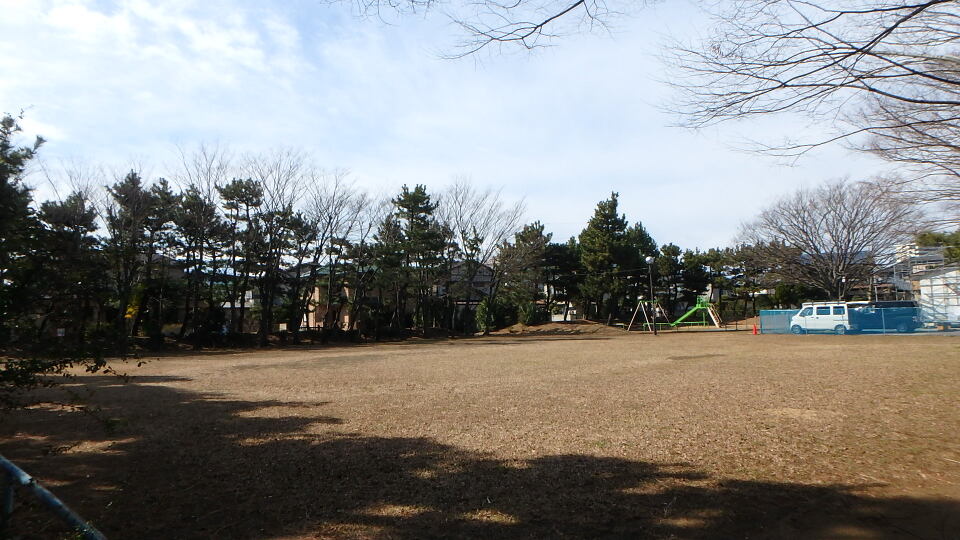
x: 560, y: 127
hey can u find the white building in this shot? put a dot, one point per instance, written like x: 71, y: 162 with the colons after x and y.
x: 912, y: 259
x: 938, y: 293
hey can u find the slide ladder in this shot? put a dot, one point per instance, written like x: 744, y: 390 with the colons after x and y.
x: 705, y: 305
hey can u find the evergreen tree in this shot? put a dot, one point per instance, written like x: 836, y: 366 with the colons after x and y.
x: 70, y: 267
x: 358, y: 266
x: 128, y: 213
x: 521, y: 271
x: 754, y: 275
x: 241, y: 201
x: 273, y: 238
x: 201, y: 233
x: 949, y: 241
x: 18, y: 227
x: 301, y: 277
x: 602, y: 254
x: 391, y: 278
x: 669, y: 275
x: 31, y: 259
x: 564, y: 273
x: 638, y: 246
x: 695, y: 276
x: 425, y: 248
x: 160, y: 242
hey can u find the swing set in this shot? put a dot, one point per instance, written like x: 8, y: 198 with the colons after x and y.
x: 651, y: 309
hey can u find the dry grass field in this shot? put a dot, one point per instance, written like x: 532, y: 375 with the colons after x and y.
x: 593, y: 434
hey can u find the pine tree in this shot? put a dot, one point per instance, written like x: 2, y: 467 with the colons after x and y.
x: 201, y: 234
x: 638, y: 245
x: 391, y: 278
x: 564, y: 273
x: 73, y: 271
x: 950, y: 241
x: 669, y: 275
x: 241, y: 200
x: 127, y: 216
x: 18, y: 227
x: 425, y: 243
x: 695, y: 276
x: 521, y: 271
x: 602, y: 254
x: 301, y: 278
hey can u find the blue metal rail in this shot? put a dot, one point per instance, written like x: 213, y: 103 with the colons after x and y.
x: 16, y: 477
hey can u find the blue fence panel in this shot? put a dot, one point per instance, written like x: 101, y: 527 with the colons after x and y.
x: 872, y: 320
x: 854, y: 318
x: 776, y: 321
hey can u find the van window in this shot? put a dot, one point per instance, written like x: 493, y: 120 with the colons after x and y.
x: 806, y: 312
x: 839, y: 310
x: 825, y: 310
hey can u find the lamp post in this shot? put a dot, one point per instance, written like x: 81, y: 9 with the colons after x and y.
x: 649, y: 260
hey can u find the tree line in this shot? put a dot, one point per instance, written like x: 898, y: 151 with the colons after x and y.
x: 246, y: 250
x: 234, y: 248
x: 243, y: 246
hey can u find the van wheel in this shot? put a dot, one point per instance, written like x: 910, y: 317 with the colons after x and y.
x: 796, y: 329
x: 840, y: 330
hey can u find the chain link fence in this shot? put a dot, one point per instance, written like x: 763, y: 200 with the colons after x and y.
x: 841, y: 318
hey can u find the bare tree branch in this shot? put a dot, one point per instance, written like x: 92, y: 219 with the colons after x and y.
x: 883, y: 73
x: 834, y: 237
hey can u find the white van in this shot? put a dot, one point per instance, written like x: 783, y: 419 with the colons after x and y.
x: 821, y: 317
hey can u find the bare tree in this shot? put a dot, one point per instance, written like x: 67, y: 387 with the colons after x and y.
x: 527, y: 24
x: 884, y: 73
x: 480, y: 223
x: 833, y: 237
x: 200, y: 173
x: 360, y: 272
x: 206, y: 166
x: 75, y: 176
x: 479, y: 218
x: 330, y: 205
x: 281, y: 174
x: 927, y: 145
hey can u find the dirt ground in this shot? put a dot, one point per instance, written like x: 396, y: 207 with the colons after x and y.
x: 597, y: 434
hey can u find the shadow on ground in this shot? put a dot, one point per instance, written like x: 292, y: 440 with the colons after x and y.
x: 165, y: 463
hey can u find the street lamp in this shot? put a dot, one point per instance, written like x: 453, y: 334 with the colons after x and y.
x: 653, y: 303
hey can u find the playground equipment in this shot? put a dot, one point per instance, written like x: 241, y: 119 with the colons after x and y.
x: 651, y: 309
x: 705, y: 308
x: 650, y: 318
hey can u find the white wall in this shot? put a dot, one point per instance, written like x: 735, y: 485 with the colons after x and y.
x: 940, y: 297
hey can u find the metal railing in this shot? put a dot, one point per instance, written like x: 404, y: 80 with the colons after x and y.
x: 14, y: 477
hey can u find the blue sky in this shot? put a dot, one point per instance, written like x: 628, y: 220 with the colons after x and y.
x: 561, y: 127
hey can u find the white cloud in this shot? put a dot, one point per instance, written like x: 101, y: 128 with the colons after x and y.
x: 33, y: 128
x: 561, y: 127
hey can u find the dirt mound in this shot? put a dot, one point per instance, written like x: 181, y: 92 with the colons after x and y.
x: 559, y: 328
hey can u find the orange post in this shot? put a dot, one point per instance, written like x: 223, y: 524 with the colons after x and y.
x: 755, y: 329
